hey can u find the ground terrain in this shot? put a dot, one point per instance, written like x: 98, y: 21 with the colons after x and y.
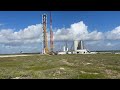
x: 36, y: 66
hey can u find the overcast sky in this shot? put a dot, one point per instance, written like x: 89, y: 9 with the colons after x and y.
x: 22, y: 30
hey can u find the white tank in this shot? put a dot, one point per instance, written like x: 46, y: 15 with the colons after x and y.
x: 81, y: 42
x: 75, y: 45
x: 63, y: 48
x: 67, y: 49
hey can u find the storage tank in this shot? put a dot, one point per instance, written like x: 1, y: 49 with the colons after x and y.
x: 80, y: 45
x: 75, y: 45
x: 63, y: 48
x: 67, y: 49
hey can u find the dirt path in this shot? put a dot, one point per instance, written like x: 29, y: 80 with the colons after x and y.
x: 1, y: 56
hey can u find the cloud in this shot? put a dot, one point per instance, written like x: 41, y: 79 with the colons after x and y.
x: 1, y: 24
x: 31, y: 34
x: 102, y: 45
x: 77, y: 31
x: 29, y: 39
x: 114, y: 34
x: 26, y: 40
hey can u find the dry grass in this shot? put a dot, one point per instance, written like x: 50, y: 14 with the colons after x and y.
x: 97, y: 66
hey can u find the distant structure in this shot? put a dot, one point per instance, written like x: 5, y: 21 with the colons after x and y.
x: 76, y: 48
x: 45, y: 41
x: 51, y: 34
x: 75, y: 45
x: 79, y: 47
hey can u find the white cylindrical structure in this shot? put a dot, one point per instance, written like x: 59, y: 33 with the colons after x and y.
x: 81, y: 44
x: 67, y: 49
x: 75, y: 45
x: 44, y: 51
x: 63, y: 48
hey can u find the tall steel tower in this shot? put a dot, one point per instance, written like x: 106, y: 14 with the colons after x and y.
x: 51, y: 34
x: 45, y: 41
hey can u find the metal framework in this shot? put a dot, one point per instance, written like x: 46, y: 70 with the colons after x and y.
x: 45, y: 41
x: 51, y: 34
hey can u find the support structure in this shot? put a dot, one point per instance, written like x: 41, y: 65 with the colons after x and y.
x: 45, y: 41
x: 51, y: 34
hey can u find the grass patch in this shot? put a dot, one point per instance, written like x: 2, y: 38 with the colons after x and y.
x: 90, y: 76
x: 94, y: 66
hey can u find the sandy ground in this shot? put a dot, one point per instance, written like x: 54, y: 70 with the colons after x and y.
x: 1, y: 56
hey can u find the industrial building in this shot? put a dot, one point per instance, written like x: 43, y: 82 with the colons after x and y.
x: 78, y: 45
x: 78, y: 48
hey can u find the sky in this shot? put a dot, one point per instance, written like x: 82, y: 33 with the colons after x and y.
x: 22, y: 30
